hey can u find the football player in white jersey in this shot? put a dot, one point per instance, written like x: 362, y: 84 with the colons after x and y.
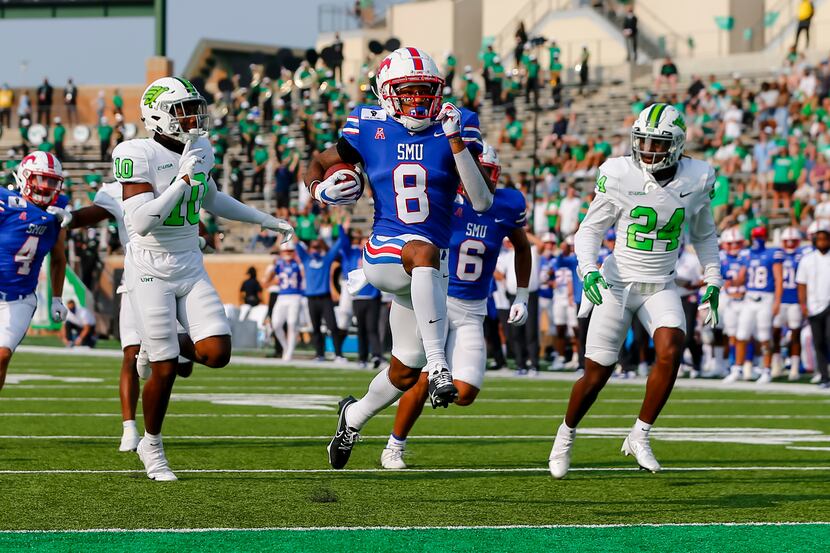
x: 651, y: 197
x: 166, y: 182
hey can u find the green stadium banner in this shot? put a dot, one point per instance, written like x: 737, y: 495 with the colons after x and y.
x: 73, y: 289
x: 770, y: 18
x: 725, y: 22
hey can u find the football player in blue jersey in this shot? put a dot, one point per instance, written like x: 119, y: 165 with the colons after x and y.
x: 762, y: 273
x: 731, y: 244
x: 288, y: 274
x: 790, y: 314
x: 30, y: 228
x: 567, y: 287
x: 414, y: 150
x: 474, y: 248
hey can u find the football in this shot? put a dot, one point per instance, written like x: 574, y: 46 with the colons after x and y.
x: 352, y: 172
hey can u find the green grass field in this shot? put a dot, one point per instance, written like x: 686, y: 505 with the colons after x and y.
x: 248, y: 444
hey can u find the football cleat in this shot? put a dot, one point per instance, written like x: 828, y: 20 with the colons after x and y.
x: 340, y: 446
x: 142, y: 364
x: 734, y: 375
x: 155, y: 462
x: 765, y: 378
x: 816, y: 379
x: 638, y: 446
x: 442, y: 390
x: 560, y: 455
x: 643, y: 369
x: 129, y: 439
x: 392, y: 458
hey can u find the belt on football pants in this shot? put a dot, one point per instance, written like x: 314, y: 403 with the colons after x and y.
x: 642, y: 288
x: 4, y: 296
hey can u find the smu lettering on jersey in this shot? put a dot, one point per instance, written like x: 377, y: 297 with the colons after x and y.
x: 730, y: 268
x: 27, y: 234
x: 412, y: 175
x: 476, y: 242
x: 788, y: 268
x: 759, y: 265
x: 290, y: 277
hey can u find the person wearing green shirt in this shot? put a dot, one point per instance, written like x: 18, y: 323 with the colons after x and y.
x: 786, y: 170
x: 58, y: 134
x: 513, y: 132
x: 118, y: 102
x: 487, y: 63
x: 532, y: 79
x: 306, y: 229
x: 496, y: 81
x: 450, y: 71
x: 105, y: 137
x: 554, y: 51
x: 720, y: 198
x: 45, y: 146
x: 470, y: 93
x: 260, y: 156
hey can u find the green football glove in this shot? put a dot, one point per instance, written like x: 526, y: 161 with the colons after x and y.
x: 710, y: 299
x: 591, y: 284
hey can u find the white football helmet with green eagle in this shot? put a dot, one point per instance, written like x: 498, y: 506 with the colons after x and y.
x: 658, y: 137
x: 172, y: 106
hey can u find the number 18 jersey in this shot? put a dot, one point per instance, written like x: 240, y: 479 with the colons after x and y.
x: 412, y: 175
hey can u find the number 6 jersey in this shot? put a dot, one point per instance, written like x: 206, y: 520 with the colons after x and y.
x: 412, y: 175
x: 650, y: 221
x: 145, y: 160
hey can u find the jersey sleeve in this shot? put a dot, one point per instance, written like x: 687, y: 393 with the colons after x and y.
x: 62, y: 201
x: 777, y: 256
x: 514, y: 208
x: 471, y: 132
x: 351, y: 130
x: 104, y: 200
x: 708, y: 188
x: 600, y: 217
x: 130, y: 163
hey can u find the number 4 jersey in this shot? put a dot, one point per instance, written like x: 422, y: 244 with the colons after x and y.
x: 413, y: 175
x: 650, y: 221
x: 27, y: 234
x: 143, y: 160
x: 476, y: 242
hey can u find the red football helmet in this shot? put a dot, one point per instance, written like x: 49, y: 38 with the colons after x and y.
x: 40, y: 178
x: 759, y: 233
x: 489, y: 160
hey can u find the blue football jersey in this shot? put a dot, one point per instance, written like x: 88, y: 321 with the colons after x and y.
x: 27, y: 234
x: 788, y: 268
x: 730, y: 268
x: 546, y: 282
x: 412, y: 175
x: 476, y: 242
x: 290, y: 276
x: 564, y: 269
x: 759, y: 263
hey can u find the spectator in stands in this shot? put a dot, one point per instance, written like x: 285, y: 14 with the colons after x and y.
x: 285, y: 177
x: 787, y: 167
x: 568, y: 213
x: 532, y: 84
x: 104, y: 137
x: 630, y: 32
x: 58, y: 135
x: 24, y: 108
x: 667, y: 75
x: 101, y: 104
x: 805, y: 18
x: 6, y: 104
x: 250, y: 294
x: 584, y: 71
x: 521, y: 40
x: 513, y: 131
x: 337, y: 57
x: 317, y: 260
x: 70, y: 101
x: 449, y: 69
x: 762, y: 153
x: 471, y: 88
x: 814, y: 296
x: 44, y: 103
x: 496, y: 81
x: 117, y: 103
x: 79, y: 328
x: 236, y: 178
x: 260, y: 157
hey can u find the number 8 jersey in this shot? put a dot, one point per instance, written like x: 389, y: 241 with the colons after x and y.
x: 412, y: 175
x: 143, y: 160
x: 650, y: 221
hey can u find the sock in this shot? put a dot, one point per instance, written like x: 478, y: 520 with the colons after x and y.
x: 395, y: 443
x: 795, y: 364
x: 429, y: 301
x: 380, y: 395
x: 564, y: 429
x: 153, y: 439
x: 128, y: 424
x: 641, y: 427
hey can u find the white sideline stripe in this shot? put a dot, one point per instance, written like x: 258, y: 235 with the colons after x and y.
x: 417, y: 470
x: 805, y: 448
x: 389, y: 416
x: 408, y: 528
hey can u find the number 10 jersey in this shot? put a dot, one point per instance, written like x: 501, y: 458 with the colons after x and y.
x: 651, y: 220
x: 412, y: 175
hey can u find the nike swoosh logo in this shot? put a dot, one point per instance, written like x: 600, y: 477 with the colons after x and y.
x: 435, y: 321
x: 499, y: 220
x: 437, y: 134
x: 682, y: 195
x: 156, y: 216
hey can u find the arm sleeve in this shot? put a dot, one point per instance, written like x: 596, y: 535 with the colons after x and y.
x: 600, y: 217
x: 144, y: 212
x: 339, y: 246
x: 703, y: 236
x: 301, y: 252
x: 105, y: 201
x: 471, y: 132
x: 471, y: 178
x: 222, y: 205
x: 347, y: 152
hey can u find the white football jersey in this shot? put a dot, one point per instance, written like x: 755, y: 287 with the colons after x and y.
x: 109, y: 197
x: 143, y: 160
x: 650, y: 221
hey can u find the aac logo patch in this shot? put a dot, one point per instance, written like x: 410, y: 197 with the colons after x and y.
x: 379, y: 135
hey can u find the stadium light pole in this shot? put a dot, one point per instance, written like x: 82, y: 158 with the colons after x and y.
x: 161, y: 27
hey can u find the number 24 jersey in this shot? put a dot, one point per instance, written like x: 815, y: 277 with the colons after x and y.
x: 412, y: 175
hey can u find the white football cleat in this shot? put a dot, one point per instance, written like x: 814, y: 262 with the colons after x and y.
x: 734, y: 375
x: 765, y: 378
x: 559, y: 460
x: 392, y: 458
x: 142, y: 364
x: 642, y: 369
x: 638, y: 446
x: 129, y: 439
x: 155, y: 462
x: 816, y: 379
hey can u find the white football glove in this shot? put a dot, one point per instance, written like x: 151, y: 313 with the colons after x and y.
x: 58, y: 310
x: 63, y: 215
x: 188, y: 161
x: 518, y: 311
x: 450, y: 117
x: 281, y: 226
x: 336, y: 191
